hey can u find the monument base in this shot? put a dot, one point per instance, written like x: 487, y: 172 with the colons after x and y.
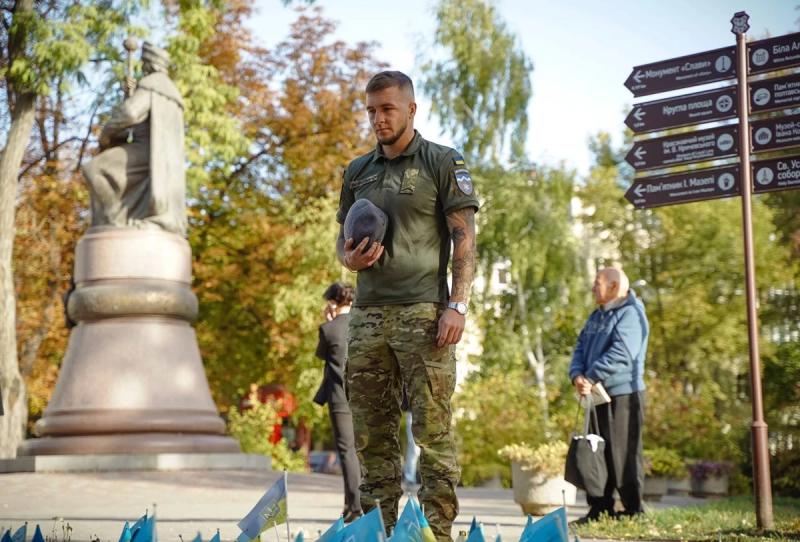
x: 127, y: 462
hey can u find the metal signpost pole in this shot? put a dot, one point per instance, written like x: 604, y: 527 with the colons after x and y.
x: 761, y: 473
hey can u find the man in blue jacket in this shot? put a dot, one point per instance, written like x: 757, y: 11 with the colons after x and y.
x: 611, y: 350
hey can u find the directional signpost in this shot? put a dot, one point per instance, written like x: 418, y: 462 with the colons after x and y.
x: 726, y: 141
x: 683, y: 72
x: 684, y: 148
x: 697, y: 185
x: 774, y: 53
x: 689, y: 109
x: 776, y: 133
x: 779, y: 93
x: 777, y: 174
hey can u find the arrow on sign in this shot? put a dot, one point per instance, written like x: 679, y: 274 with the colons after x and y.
x: 682, y: 72
x: 700, y: 107
x: 703, y: 184
x: 684, y: 148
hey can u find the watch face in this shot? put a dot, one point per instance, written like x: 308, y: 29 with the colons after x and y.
x: 461, y: 308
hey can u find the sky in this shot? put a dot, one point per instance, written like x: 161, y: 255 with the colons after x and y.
x: 582, y: 52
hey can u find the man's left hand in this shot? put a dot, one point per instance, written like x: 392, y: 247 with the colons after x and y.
x: 451, y: 327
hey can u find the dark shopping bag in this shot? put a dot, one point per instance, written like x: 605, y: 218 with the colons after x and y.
x: 586, y: 461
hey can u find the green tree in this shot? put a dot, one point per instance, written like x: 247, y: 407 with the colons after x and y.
x: 43, y: 49
x: 479, y: 82
x: 480, y: 78
x: 526, y: 232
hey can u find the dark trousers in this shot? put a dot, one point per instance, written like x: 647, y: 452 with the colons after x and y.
x: 342, y: 424
x: 621, y: 423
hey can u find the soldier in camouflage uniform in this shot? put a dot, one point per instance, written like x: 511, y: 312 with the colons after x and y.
x: 405, y: 323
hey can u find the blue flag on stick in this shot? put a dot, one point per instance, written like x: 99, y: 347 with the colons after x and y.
x: 476, y: 534
x: 367, y: 528
x: 331, y: 534
x: 147, y: 531
x: 474, y: 524
x: 37, y: 535
x: 198, y: 538
x: 270, y: 510
x: 214, y: 538
x: 407, y: 528
x: 550, y: 528
x: 6, y: 536
x: 19, y: 536
x: 126, y: 535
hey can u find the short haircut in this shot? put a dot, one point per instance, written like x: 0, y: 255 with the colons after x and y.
x: 388, y: 79
x: 340, y: 292
x: 614, y: 274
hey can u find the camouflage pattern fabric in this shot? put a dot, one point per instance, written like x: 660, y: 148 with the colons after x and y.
x: 389, y: 347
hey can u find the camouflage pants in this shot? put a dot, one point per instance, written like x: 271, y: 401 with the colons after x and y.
x: 390, y: 347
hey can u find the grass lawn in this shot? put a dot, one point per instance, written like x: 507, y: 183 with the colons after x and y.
x: 724, y: 519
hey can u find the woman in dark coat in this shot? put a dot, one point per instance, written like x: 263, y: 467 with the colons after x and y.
x: 332, y: 348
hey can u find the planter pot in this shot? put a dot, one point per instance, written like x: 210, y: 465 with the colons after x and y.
x: 655, y: 487
x: 713, y: 486
x: 537, y: 494
x: 679, y: 486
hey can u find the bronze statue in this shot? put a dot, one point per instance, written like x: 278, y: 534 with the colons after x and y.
x: 138, y: 178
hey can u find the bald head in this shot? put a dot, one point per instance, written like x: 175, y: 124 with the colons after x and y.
x: 610, y: 284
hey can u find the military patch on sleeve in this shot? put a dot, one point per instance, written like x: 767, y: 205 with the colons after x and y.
x: 463, y: 180
x: 458, y: 160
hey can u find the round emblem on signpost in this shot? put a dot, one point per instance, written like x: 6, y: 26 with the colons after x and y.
x: 760, y: 57
x: 764, y: 176
x: 724, y: 104
x: 763, y: 136
x: 726, y: 181
x: 723, y: 63
x: 762, y: 96
x: 725, y: 142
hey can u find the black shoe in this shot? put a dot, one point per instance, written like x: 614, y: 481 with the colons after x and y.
x: 352, y: 515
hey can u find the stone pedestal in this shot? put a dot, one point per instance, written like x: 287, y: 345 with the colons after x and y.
x: 132, y: 380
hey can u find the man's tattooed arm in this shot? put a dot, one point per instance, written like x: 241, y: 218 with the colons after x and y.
x: 461, y: 224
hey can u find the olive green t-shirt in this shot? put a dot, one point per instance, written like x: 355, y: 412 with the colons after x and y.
x: 416, y: 190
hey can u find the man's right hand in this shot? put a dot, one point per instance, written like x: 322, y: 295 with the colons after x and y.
x: 583, y: 385
x: 356, y: 259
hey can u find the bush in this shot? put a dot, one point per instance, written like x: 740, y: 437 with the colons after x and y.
x: 494, y: 409
x: 547, y: 459
x: 663, y: 462
x: 253, y: 427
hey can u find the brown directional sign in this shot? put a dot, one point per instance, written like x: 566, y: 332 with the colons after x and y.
x: 777, y: 174
x: 774, y: 53
x: 701, y: 184
x: 775, y: 133
x: 684, y: 71
x: 684, y: 148
x: 707, y: 106
x: 777, y: 93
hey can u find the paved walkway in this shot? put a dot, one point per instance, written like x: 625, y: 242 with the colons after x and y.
x: 96, y: 505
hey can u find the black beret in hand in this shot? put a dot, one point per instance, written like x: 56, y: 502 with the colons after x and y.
x: 365, y: 219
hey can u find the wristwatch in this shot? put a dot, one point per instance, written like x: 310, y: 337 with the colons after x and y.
x: 458, y: 306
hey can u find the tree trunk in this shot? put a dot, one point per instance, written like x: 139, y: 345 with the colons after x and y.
x: 537, y: 363
x: 15, y: 402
